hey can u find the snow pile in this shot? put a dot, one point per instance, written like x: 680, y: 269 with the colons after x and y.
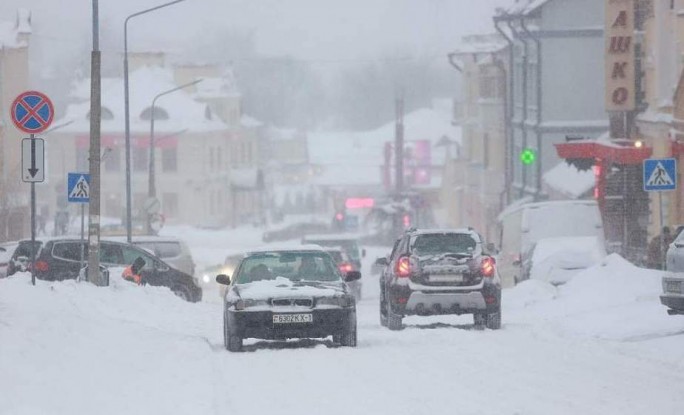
x: 612, y: 300
x: 556, y: 260
x: 569, y: 181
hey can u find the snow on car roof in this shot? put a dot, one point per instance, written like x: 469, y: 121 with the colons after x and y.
x: 285, y: 248
x: 445, y: 230
x: 331, y: 237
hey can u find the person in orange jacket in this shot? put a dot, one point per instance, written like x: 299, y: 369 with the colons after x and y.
x: 132, y: 272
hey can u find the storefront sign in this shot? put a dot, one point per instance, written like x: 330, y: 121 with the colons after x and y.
x: 620, y: 76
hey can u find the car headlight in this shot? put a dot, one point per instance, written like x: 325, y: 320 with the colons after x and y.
x: 342, y: 301
x: 242, y: 304
x: 206, y: 278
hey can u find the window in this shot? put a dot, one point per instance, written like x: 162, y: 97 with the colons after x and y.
x: 439, y: 243
x: 131, y: 254
x: 111, y: 254
x: 112, y: 161
x: 170, y: 204
x: 169, y: 160
x: 140, y: 160
x: 70, y: 251
x: 159, y: 114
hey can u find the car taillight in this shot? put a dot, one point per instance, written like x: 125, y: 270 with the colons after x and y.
x: 42, y: 266
x: 403, y: 267
x: 487, y: 266
x: 346, y: 267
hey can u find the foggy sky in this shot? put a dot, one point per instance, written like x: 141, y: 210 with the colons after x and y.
x: 308, y: 29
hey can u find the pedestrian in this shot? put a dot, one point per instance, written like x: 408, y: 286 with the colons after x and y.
x: 657, y: 249
x: 132, y: 272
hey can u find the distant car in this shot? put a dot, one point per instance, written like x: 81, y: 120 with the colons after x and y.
x: 288, y: 293
x: 440, y: 271
x: 345, y: 265
x: 173, y: 251
x: 349, y: 243
x: 60, y: 259
x: 673, y: 293
x: 294, y: 231
x: 6, y: 251
x: 207, y: 280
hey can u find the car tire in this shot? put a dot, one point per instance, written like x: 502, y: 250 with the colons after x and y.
x: 480, y: 321
x: 348, y: 338
x: 182, y: 292
x: 493, y: 320
x: 231, y: 342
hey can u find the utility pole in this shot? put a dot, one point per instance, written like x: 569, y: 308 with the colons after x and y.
x: 94, y: 157
x: 399, y: 145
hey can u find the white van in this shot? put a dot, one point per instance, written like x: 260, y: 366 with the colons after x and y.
x: 522, y: 226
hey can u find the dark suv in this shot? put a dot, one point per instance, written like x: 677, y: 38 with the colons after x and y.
x: 60, y: 259
x: 435, y: 272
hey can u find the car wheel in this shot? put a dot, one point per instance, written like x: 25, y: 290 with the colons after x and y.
x: 394, y: 321
x: 183, y: 292
x: 348, y: 338
x: 231, y: 342
x: 480, y: 320
x: 493, y: 320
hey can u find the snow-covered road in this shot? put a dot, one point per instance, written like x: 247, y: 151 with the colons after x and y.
x: 600, y: 345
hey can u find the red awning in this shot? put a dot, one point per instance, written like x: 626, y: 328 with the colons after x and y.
x: 608, y: 151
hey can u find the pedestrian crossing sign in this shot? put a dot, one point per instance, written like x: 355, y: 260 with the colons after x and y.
x: 660, y: 175
x: 78, y: 187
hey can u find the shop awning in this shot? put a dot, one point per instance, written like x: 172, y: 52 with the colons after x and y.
x: 616, y: 151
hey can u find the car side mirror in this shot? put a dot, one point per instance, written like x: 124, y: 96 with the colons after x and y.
x: 223, y: 279
x: 382, y: 261
x: 352, y: 276
x: 363, y: 253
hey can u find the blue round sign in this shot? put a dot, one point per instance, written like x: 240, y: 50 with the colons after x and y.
x: 32, y: 112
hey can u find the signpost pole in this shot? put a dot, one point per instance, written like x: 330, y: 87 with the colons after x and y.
x: 663, y: 249
x: 33, y: 216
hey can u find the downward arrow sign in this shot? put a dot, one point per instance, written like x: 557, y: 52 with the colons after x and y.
x: 33, y: 170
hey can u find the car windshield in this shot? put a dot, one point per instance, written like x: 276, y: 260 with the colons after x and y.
x: 295, y: 266
x: 440, y: 243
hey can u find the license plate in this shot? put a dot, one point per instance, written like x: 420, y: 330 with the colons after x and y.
x: 673, y: 287
x: 292, y: 318
x: 446, y: 278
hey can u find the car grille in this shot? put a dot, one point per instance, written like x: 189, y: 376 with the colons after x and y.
x: 674, y: 287
x: 300, y: 302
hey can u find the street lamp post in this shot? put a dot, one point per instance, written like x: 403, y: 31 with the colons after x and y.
x: 151, y: 183
x: 127, y: 114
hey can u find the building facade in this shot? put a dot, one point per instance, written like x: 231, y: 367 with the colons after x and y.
x: 200, y: 158
x: 14, y: 78
x: 556, y: 85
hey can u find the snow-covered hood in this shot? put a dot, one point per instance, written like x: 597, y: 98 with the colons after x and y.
x: 556, y: 260
x: 284, y: 288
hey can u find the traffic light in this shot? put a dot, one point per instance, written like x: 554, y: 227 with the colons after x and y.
x: 339, y: 221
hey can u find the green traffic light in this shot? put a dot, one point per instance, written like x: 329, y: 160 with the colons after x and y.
x: 528, y: 156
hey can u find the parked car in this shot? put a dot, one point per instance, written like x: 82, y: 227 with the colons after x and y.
x: 60, y: 259
x: 345, y: 265
x: 20, y: 259
x: 522, y: 226
x: 673, y: 293
x: 557, y: 260
x: 6, y: 251
x: 173, y: 251
x: 294, y: 231
x: 288, y: 293
x: 348, y: 242
x: 436, y: 272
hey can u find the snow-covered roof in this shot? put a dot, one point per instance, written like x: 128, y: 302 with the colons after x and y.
x: 473, y: 44
x: 250, y: 122
x: 524, y: 7
x: 10, y: 31
x: 184, y: 112
x: 356, y: 158
x: 569, y: 181
x: 216, y: 87
x: 285, y: 248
